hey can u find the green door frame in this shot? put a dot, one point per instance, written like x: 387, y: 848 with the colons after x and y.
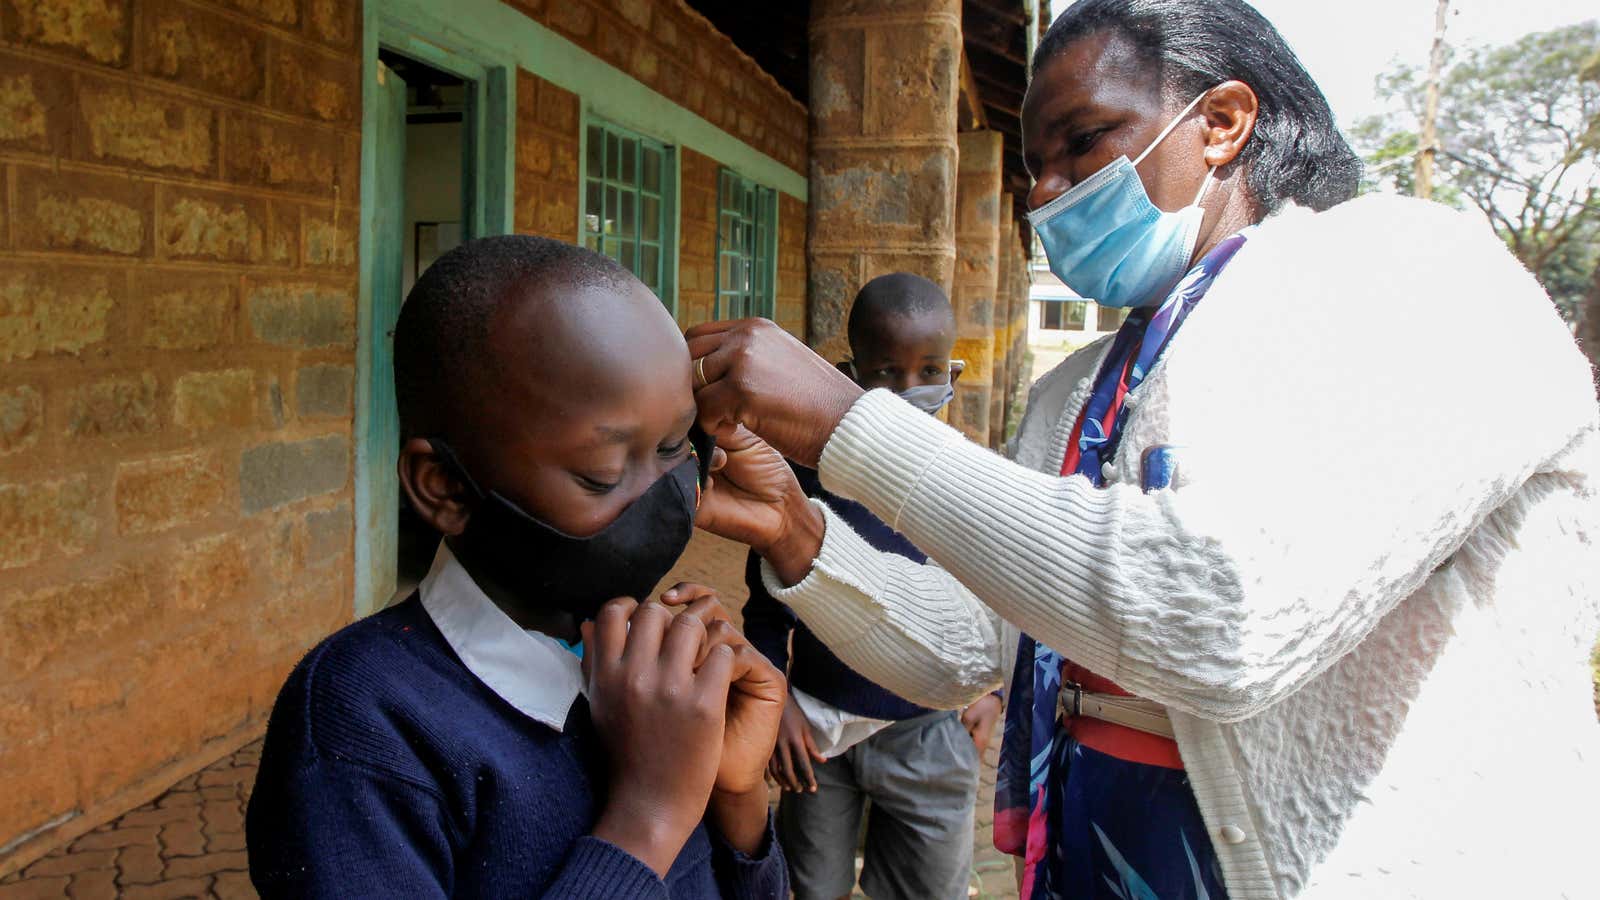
x: 417, y: 30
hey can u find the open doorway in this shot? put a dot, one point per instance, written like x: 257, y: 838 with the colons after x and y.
x: 421, y: 211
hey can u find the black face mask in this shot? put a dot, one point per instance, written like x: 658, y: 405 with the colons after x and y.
x: 547, y: 567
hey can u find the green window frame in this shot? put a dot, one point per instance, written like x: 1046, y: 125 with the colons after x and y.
x: 747, y: 247
x: 628, y: 203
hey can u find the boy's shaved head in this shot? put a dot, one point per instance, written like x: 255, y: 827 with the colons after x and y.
x: 442, y: 342
x: 895, y: 295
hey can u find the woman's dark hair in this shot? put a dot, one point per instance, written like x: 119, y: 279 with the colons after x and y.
x: 1296, y: 152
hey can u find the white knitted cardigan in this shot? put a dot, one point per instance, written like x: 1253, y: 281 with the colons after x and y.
x: 1367, y: 601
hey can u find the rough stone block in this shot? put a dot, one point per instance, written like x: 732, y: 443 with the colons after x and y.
x: 616, y: 43
x: 558, y: 212
x: 302, y: 315
x: 82, y: 212
x: 195, y: 224
x: 37, y: 517
x: 97, y: 30
x: 39, y: 626
x: 873, y: 196
x: 120, y: 123
x: 314, y: 84
x: 534, y: 151
x: 329, y: 238
x: 558, y: 107
x: 213, y: 571
x: 291, y: 157
x: 324, y: 390
x: 45, y: 310
x: 200, y: 49
x: 278, y: 12
x: 328, y: 534
x: 156, y: 494
x: 914, y: 70
x: 574, y: 19
x: 332, y: 21
x: 21, y: 417
x: 207, y: 400
x: 35, y: 107
x: 122, y: 405
x: 272, y: 475
x: 193, y: 315
x: 283, y: 236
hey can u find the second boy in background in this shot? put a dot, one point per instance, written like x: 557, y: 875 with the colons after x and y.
x: 845, y: 740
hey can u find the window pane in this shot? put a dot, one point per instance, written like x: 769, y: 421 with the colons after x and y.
x: 626, y: 257
x: 630, y: 162
x: 650, y: 265
x: 591, y: 241
x: 613, y: 154
x: 650, y: 226
x: 1076, y: 315
x: 595, y: 152
x: 1050, y: 315
x: 593, y: 203
x: 652, y: 170
x: 628, y: 217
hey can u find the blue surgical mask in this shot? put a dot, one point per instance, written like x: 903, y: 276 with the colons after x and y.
x: 930, y: 398
x: 1107, y: 241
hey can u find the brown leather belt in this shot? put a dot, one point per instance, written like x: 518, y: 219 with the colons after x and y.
x: 1130, y: 712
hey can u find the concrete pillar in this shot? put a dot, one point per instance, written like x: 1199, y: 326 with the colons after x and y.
x: 977, y: 280
x: 884, y: 77
x: 1004, y: 362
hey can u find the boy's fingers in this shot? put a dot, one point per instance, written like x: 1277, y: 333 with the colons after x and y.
x: 680, y: 649
x: 609, y: 632
x: 811, y: 747
x: 755, y: 675
x: 645, y: 628
x: 586, y: 661
x: 785, y: 768
x: 685, y: 592
x: 804, y: 766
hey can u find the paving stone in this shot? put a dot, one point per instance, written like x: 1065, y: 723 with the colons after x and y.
x: 227, y: 840
x: 169, y: 890
x: 140, y: 864
x: 116, y: 837
x: 71, y: 863
x: 233, y: 886
x: 183, y: 838
x: 95, y: 884
x: 36, y: 889
x: 211, y: 863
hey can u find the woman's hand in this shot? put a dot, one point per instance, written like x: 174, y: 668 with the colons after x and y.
x: 753, y: 498
x: 979, y: 718
x: 760, y: 376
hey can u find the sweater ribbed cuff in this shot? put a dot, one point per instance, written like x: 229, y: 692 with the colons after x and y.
x: 880, y: 450
x: 835, y: 597
x: 598, y: 868
x: 761, y: 876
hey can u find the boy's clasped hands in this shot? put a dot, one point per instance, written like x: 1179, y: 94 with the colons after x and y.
x: 688, y: 711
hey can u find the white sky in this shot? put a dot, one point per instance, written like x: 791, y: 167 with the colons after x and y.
x: 1346, y: 43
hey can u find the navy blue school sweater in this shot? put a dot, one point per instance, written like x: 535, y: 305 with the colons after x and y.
x: 389, y: 770
x: 814, y: 669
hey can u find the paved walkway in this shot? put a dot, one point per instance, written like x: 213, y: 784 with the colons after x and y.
x: 189, y: 842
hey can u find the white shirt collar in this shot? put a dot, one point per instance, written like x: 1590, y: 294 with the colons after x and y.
x: 529, y: 670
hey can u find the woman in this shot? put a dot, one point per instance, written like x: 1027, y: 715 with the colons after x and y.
x: 1334, y: 532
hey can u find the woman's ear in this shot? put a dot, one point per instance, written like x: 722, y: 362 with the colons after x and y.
x: 848, y: 367
x: 957, y: 366
x: 1231, y: 110
x: 433, y: 491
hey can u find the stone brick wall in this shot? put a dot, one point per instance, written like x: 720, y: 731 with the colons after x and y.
x: 675, y: 51
x: 177, y: 331
x: 547, y: 159
x: 697, y: 237
x: 791, y: 293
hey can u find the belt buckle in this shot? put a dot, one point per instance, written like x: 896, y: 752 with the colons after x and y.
x: 1070, y: 708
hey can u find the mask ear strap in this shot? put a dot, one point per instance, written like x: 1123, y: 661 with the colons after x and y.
x: 1176, y: 121
x: 1204, y: 184
x: 453, y: 464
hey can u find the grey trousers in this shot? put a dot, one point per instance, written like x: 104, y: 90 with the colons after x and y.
x: 922, y: 777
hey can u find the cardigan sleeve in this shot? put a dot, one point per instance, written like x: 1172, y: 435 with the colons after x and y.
x: 1329, y: 479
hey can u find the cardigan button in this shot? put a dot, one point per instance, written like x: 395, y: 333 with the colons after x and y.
x: 1232, y: 834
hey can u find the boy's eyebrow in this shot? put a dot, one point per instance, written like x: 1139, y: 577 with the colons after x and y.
x: 613, y: 435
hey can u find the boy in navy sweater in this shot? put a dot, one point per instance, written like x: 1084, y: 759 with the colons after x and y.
x: 454, y: 744
x: 844, y: 739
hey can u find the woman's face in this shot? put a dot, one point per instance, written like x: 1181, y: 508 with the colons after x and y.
x: 1097, y: 100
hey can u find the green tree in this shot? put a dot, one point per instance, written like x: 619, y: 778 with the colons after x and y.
x: 1519, y: 140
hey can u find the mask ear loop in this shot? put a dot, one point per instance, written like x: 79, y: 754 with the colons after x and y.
x: 454, y: 466
x: 1176, y: 121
